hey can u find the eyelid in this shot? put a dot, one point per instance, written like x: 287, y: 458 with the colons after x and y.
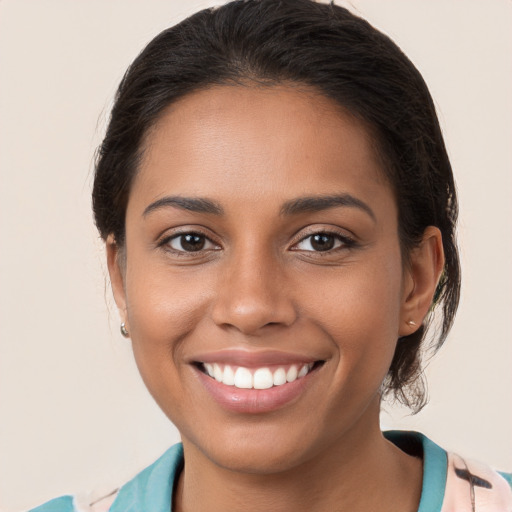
x: 199, y: 235
x: 163, y: 240
x: 347, y: 240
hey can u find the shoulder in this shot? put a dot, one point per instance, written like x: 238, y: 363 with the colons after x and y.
x: 453, y: 483
x: 476, y: 486
x: 75, y: 504
x: 62, y: 504
x: 150, y: 490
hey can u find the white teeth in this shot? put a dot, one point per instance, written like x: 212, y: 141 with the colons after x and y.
x: 209, y: 369
x: 303, y: 371
x: 229, y: 376
x: 291, y: 374
x: 263, y: 379
x: 279, y: 377
x: 217, y: 372
x: 243, y: 378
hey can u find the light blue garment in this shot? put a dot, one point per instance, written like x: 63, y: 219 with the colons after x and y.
x: 435, y: 468
x: 151, y: 490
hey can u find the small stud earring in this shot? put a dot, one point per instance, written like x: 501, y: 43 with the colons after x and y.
x: 412, y: 323
x: 123, y: 330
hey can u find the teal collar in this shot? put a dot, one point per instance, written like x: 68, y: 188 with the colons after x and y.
x: 435, y: 466
x: 151, y: 490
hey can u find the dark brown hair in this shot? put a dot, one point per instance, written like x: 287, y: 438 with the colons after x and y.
x: 267, y: 42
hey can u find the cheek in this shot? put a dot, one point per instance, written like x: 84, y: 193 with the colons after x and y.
x: 359, y: 301
x: 163, y: 308
x: 163, y: 300
x: 360, y: 311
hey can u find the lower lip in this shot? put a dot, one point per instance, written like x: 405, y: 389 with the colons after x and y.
x: 254, y: 401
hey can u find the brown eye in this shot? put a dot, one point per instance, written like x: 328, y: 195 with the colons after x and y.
x: 190, y: 242
x: 323, y: 242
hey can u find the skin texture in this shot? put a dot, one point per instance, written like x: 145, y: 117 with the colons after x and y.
x: 258, y: 284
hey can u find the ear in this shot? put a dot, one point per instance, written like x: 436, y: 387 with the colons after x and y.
x: 426, y: 263
x: 116, y: 270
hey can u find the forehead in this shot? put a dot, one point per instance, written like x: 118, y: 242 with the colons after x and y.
x: 250, y: 142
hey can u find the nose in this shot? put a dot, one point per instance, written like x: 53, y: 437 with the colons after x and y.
x: 253, y: 294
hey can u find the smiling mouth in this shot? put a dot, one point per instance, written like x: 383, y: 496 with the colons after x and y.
x: 264, y: 377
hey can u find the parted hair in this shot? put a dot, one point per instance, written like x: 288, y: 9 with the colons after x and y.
x: 326, y: 47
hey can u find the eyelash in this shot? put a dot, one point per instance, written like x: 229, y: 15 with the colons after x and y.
x: 165, y: 243
x: 346, y: 242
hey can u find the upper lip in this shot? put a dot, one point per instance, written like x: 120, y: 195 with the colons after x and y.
x: 253, y: 358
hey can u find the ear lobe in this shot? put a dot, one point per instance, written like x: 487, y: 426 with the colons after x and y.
x: 426, y: 263
x: 116, y: 271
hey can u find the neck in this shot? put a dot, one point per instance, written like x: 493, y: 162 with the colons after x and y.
x: 362, y: 471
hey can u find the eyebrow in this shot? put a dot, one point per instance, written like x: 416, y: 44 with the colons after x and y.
x: 192, y: 204
x: 293, y: 207
x: 320, y: 203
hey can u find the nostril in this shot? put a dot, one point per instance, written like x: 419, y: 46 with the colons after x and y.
x: 250, y: 305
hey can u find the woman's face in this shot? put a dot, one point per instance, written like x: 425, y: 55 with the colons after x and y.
x: 262, y: 236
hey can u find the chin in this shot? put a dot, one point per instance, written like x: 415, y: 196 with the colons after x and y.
x: 257, y: 450
x: 257, y: 461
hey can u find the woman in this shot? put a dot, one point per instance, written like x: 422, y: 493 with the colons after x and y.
x: 279, y: 211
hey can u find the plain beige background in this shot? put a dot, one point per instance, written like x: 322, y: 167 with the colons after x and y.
x: 74, y: 415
